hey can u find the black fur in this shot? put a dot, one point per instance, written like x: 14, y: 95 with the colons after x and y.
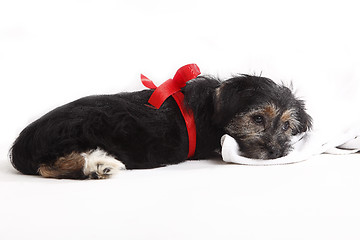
x: 139, y: 136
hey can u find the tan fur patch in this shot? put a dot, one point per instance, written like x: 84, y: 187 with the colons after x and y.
x: 63, y: 166
x: 289, y: 116
x: 271, y: 111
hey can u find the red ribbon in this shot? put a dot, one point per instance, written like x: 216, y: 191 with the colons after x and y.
x: 172, y: 87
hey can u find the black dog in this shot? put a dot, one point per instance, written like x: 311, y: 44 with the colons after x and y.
x: 95, y: 136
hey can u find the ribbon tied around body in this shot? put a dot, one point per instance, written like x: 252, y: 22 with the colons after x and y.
x: 172, y: 87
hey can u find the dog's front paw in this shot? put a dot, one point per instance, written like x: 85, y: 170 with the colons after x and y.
x: 100, y: 165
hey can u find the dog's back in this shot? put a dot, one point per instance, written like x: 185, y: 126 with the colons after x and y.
x: 122, y: 125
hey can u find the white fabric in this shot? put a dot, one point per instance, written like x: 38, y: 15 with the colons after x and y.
x: 304, y: 147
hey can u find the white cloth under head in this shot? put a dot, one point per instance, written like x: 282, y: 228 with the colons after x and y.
x: 304, y: 146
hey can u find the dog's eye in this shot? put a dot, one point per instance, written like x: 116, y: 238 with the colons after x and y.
x: 285, y: 126
x: 258, y: 119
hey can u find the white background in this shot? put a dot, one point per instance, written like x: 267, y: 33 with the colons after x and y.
x: 52, y: 52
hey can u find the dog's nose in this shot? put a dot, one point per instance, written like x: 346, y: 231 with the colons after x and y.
x: 274, y: 153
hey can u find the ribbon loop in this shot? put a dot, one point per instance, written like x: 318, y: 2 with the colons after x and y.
x: 186, y: 73
x: 172, y: 87
x: 147, y: 82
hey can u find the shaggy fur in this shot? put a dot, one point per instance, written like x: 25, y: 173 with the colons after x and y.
x: 261, y: 115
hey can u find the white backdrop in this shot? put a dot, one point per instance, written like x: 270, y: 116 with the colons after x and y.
x: 52, y: 52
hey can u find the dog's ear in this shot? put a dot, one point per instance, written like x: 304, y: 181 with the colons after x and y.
x: 232, y: 97
x: 305, y: 121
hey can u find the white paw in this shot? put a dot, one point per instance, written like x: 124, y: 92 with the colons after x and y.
x: 99, y: 164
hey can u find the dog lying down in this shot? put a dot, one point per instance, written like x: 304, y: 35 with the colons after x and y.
x: 97, y: 136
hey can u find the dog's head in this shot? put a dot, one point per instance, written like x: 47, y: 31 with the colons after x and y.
x: 261, y: 115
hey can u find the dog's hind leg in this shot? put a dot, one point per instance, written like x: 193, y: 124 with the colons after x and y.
x: 99, y: 164
x: 95, y: 164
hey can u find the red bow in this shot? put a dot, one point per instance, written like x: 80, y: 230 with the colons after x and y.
x: 172, y: 87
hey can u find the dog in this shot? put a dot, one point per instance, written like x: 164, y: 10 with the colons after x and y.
x: 97, y: 136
